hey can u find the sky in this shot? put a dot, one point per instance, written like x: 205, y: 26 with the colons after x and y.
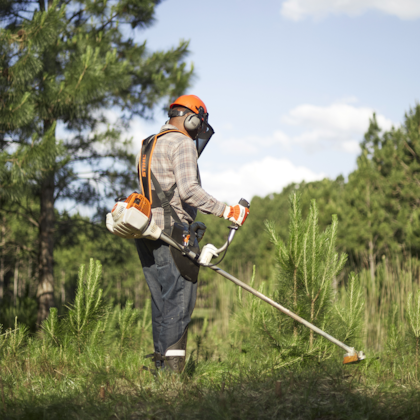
x: 290, y: 85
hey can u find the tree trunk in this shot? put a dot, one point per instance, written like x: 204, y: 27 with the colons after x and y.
x: 45, y: 292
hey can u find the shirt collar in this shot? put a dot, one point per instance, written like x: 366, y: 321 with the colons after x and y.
x: 167, y: 126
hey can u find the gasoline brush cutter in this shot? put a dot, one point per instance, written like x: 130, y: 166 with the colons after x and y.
x: 132, y: 218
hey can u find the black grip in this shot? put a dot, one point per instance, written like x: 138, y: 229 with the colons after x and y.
x: 244, y: 203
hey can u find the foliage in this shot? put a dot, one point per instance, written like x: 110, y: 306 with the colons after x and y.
x: 350, y: 311
x: 72, y: 79
x: 307, y: 267
x: 413, y: 311
x: 106, y: 379
x: 376, y: 208
x: 88, y: 305
x: 66, y: 63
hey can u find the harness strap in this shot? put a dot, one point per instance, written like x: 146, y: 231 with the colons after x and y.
x: 164, y: 199
x: 169, y: 195
x: 157, y: 197
x: 145, y: 162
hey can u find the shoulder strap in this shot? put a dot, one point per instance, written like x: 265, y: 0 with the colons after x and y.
x: 168, y: 210
x: 146, y: 154
x: 146, y: 176
x: 145, y: 162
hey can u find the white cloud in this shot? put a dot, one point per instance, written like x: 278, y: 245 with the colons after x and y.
x: 339, y: 125
x: 251, y: 145
x: 299, y: 9
x: 351, y: 147
x: 260, y: 178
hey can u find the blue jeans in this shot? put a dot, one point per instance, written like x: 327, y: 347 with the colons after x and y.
x: 173, y: 297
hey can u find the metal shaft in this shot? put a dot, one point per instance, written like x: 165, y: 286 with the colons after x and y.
x: 282, y: 309
x: 193, y: 255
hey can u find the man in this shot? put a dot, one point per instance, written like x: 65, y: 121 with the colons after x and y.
x: 175, y: 180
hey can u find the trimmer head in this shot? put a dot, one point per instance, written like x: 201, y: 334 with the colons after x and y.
x: 353, y: 357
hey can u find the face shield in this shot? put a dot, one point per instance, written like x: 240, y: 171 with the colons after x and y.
x: 205, y: 132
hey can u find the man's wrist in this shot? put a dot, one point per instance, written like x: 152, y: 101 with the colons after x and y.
x: 223, y: 212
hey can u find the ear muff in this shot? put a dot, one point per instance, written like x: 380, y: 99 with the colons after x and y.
x: 192, y: 122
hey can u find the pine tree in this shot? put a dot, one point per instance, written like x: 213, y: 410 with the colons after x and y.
x: 367, y: 223
x: 66, y: 63
x: 307, y: 266
x: 382, y: 195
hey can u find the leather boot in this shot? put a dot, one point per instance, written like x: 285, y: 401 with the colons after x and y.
x: 175, y: 354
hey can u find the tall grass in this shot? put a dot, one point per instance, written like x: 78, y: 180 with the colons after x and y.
x: 386, y: 296
x: 99, y: 375
x: 88, y: 362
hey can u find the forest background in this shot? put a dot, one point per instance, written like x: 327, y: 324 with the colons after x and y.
x: 70, y: 62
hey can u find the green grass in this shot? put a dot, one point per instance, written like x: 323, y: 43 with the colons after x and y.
x: 94, y: 370
x: 49, y: 387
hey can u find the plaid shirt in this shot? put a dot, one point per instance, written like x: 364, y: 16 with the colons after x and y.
x: 175, y: 161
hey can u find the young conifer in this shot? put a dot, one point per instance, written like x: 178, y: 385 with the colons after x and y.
x: 88, y: 305
x: 74, y: 64
x: 126, y: 320
x: 307, y: 267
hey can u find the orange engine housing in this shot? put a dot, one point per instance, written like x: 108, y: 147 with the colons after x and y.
x: 140, y: 202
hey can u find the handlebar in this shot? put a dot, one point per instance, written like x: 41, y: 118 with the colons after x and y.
x: 209, y: 250
x: 233, y: 228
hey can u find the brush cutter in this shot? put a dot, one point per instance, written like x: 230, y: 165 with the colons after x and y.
x: 132, y: 219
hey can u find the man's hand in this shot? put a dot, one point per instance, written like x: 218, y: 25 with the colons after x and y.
x: 199, y: 228
x: 236, y: 214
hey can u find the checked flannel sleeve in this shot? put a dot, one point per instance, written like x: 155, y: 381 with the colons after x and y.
x: 184, y: 164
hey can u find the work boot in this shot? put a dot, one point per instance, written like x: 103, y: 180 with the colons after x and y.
x: 158, y: 359
x: 175, y: 354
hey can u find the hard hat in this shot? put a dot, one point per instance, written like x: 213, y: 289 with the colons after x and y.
x: 197, y: 121
x: 191, y: 102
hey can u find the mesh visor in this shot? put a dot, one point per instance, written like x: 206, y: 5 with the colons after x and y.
x: 203, y: 137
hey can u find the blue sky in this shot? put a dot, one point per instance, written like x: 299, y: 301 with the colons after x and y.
x: 290, y: 85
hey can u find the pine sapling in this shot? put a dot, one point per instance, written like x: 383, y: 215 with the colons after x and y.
x: 320, y: 264
x: 50, y: 326
x: 88, y: 306
x: 308, y: 264
x: 290, y: 257
x: 15, y: 338
x: 351, y: 312
x: 295, y: 249
x: 126, y: 319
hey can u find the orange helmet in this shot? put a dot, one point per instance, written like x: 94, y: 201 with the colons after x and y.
x: 191, y: 102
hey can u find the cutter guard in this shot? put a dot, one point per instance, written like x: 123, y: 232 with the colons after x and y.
x: 353, y: 357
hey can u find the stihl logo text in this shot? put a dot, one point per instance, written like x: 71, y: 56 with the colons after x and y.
x: 143, y: 166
